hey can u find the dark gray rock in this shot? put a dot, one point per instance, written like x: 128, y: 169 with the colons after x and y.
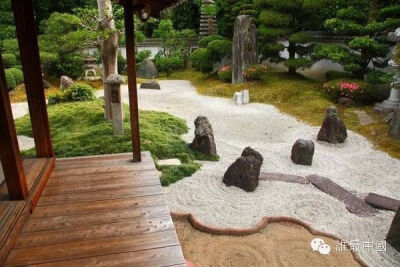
x: 303, y: 152
x: 245, y: 171
x: 46, y: 84
x: 150, y: 85
x: 333, y: 129
x: 147, y: 70
x: 394, y: 129
x: 345, y: 101
x: 204, y: 137
x: 393, y: 236
x: 244, y: 47
x: 66, y: 82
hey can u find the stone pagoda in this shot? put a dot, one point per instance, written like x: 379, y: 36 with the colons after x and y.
x: 208, y: 21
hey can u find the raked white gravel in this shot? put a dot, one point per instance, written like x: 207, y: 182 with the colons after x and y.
x: 355, y: 165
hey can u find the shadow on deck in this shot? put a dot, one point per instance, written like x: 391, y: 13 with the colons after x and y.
x: 100, y: 210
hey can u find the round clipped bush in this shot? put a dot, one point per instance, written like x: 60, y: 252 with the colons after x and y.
x: 18, y: 75
x: 202, y: 60
x: 9, y: 60
x: 225, y: 74
x: 56, y: 98
x: 220, y: 48
x: 208, y: 39
x: 350, y: 88
x: 169, y: 63
x: 255, y: 72
x: 79, y: 92
x: 10, y: 79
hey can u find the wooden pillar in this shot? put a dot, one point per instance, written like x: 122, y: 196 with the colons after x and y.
x: 9, y: 150
x: 132, y: 85
x: 30, y: 60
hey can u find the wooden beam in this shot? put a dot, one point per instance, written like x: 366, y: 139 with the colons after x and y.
x: 132, y: 85
x: 9, y: 150
x: 30, y: 59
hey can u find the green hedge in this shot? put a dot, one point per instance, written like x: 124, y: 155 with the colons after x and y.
x: 10, y: 79
x: 18, y: 75
x: 77, y: 92
x: 9, y: 60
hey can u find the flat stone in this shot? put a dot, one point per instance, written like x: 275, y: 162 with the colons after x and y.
x: 150, y: 85
x: 353, y: 203
x: 382, y: 202
x: 281, y: 177
x: 364, y: 118
x: 25, y: 142
x: 393, y: 236
x: 169, y: 162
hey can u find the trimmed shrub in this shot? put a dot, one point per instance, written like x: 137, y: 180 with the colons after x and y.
x: 351, y: 88
x: 378, y: 77
x: 202, y: 60
x: 333, y: 75
x: 208, y: 39
x: 225, y: 74
x: 18, y: 75
x: 10, y: 79
x: 220, y: 48
x: 255, y: 72
x: 169, y: 63
x: 142, y: 55
x: 9, y: 60
x: 77, y: 92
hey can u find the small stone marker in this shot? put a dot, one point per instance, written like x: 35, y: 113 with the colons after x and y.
x: 333, y: 129
x: 245, y: 171
x: 242, y: 97
x: 150, y: 85
x: 303, y: 152
x: 65, y: 83
x: 204, y: 137
x: 382, y: 202
x: 394, y: 130
x: 393, y: 236
x: 114, y: 82
x: 169, y: 162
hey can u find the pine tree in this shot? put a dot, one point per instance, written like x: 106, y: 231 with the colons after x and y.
x: 289, y: 20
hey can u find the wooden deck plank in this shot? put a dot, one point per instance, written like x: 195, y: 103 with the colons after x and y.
x: 91, y: 248
x: 127, y: 228
x: 100, y: 182
x: 103, y: 211
x: 71, y: 221
x: 100, y: 195
x: 166, y: 256
x: 98, y: 206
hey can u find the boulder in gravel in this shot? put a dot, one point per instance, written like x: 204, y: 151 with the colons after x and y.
x: 66, y: 82
x: 303, y: 152
x: 345, y: 101
x: 393, y: 236
x: 394, y: 130
x: 333, y: 129
x: 245, y: 171
x: 150, y: 85
x: 147, y: 70
x: 204, y: 137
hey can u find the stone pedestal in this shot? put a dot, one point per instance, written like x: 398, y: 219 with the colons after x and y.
x: 244, y: 47
x: 114, y: 81
x: 389, y: 105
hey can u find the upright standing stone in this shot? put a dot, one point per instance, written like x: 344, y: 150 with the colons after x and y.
x: 204, y: 137
x: 303, y: 152
x: 117, y: 112
x: 147, y: 70
x: 393, y: 236
x: 394, y: 130
x: 333, y: 129
x: 65, y: 83
x: 244, y: 47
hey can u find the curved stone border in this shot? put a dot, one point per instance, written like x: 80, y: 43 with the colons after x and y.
x: 257, y: 228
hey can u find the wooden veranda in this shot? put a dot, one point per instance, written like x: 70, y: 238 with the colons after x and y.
x: 103, y: 210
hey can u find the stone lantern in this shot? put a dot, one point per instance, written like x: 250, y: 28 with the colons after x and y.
x: 114, y: 82
x: 393, y: 102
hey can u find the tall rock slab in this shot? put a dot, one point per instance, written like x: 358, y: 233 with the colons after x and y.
x: 244, y: 47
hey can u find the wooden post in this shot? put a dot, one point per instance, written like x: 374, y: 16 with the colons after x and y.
x: 9, y: 150
x: 132, y: 86
x: 30, y: 59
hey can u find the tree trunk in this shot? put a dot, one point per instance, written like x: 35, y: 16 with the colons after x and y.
x: 292, y: 55
x: 108, y: 50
